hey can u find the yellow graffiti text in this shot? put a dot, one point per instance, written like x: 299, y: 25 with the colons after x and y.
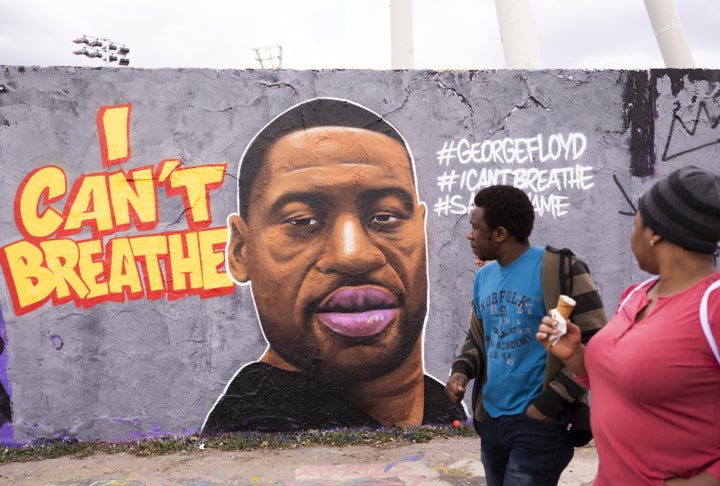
x: 109, y: 203
x: 125, y: 268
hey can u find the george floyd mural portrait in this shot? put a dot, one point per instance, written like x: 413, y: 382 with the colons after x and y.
x: 191, y: 251
x: 330, y: 234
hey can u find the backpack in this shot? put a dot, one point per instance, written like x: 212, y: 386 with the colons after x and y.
x: 577, y: 413
x: 703, y: 311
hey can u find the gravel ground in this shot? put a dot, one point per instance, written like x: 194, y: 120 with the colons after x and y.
x: 452, y: 461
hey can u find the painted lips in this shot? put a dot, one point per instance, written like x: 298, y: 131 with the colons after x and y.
x: 357, y: 312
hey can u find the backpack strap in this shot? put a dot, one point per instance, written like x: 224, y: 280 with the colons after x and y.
x: 564, y: 268
x: 704, y: 321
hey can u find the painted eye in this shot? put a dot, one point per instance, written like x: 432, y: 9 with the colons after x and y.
x: 304, y: 222
x: 384, y: 218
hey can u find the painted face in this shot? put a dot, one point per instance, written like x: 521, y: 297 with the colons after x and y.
x: 480, y: 236
x: 335, y: 250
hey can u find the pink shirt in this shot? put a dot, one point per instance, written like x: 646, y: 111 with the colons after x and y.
x: 656, y: 390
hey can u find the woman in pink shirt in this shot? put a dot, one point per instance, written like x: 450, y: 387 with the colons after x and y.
x: 654, y: 374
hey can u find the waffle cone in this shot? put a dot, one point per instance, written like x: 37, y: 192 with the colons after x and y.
x: 565, y: 306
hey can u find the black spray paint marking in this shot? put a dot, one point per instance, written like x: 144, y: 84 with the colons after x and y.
x: 627, y: 198
x: 700, y: 137
x: 639, y: 104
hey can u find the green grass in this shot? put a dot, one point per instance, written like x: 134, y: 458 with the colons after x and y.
x: 235, y: 442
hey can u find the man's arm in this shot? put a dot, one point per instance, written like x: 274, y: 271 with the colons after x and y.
x: 469, y: 362
x: 589, y: 316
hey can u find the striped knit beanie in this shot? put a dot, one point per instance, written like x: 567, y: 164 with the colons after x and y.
x: 684, y: 208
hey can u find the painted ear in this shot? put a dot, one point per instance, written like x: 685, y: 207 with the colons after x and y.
x: 422, y: 207
x: 236, y: 250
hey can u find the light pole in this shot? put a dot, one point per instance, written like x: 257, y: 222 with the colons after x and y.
x: 105, y: 49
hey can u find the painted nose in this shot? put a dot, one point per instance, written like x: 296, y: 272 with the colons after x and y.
x: 350, y: 249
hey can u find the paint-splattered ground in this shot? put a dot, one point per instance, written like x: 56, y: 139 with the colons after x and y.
x: 454, y: 462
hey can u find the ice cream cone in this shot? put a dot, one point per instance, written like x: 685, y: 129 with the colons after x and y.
x: 565, y: 306
x: 561, y: 313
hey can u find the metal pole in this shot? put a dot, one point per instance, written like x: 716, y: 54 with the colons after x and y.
x: 669, y: 33
x: 518, y: 36
x: 401, y: 34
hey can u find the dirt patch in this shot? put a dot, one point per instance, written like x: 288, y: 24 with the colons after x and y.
x: 453, y: 461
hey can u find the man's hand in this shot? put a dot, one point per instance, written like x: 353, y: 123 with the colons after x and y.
x: 455, y: 387
x: 533, y: 412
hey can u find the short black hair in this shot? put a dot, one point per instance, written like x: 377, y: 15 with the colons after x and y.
x: 509, y: 207
x: 317, y: 112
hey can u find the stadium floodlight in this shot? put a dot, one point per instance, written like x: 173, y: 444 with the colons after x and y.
x: 107, y: 50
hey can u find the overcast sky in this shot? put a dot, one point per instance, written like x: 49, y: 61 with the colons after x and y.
x: 327, y: 34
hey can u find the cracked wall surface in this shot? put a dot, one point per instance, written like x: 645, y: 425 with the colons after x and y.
x: 151, y: 360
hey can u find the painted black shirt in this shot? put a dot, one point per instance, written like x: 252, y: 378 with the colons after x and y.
x: 265, y: 398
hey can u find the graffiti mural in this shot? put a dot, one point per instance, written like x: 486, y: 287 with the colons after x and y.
x: 49, y: 265
x: 200, y: 251
x: 331, y: 235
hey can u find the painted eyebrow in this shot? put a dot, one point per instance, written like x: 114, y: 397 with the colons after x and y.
x: 317, y: 200
x: 312, y: 199
x: 407, y: 200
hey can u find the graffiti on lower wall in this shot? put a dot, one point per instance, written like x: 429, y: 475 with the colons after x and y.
x: 6, y: 435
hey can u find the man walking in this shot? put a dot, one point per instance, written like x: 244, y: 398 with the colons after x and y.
x: 522, y: 401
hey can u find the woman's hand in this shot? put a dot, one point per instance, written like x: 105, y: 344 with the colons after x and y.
x: 567, y: 348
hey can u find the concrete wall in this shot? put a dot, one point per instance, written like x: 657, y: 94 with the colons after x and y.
x: 123, y: 361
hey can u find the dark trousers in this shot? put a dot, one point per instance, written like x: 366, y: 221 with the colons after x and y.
x: 517, y: 450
